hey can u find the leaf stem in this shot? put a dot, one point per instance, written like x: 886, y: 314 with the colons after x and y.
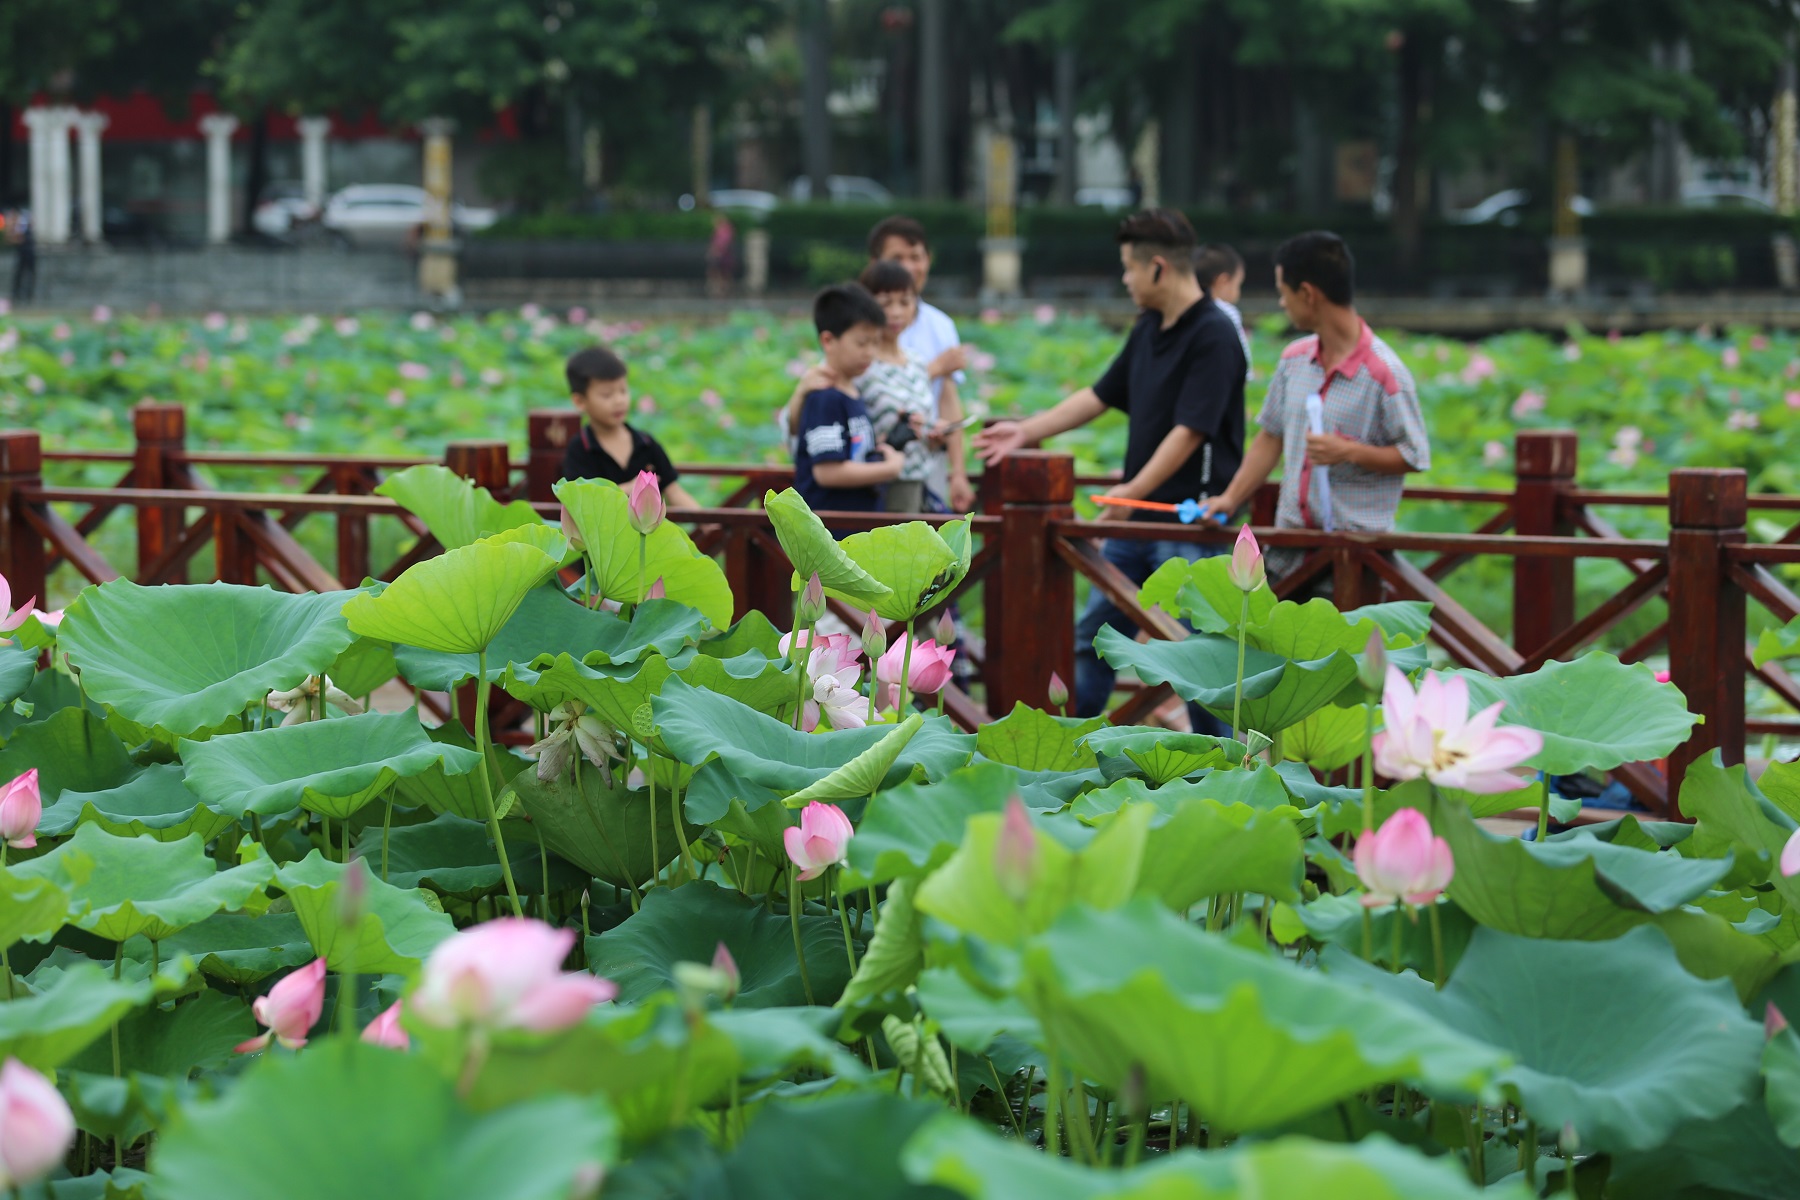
x: 837, y: 876
x: 1543, y: 825
x: 1368, y: 771
x: 905, y: 675
x: 487, y: 782
x: 656, y: 861
x: 387, y: 821
x: 794, y: 921
x: 1437, y: 945
x: 1237, y: 696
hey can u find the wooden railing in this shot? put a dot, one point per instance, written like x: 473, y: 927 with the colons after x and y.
x: 1032, y: 549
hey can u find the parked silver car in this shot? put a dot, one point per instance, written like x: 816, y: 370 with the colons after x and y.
x: 387, y: 214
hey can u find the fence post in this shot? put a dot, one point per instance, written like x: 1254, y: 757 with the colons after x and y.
x: 161, y: 433
x: 1031, y: 620
x: 1706, y: 613
x: 484, y: 462
x: 548, y: 432
x: 21, y: 545
x: 1543, y: 588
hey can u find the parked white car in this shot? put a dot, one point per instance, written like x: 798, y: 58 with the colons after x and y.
x: 282, y: 207
x: 844, y: 189
x: 386, y: 214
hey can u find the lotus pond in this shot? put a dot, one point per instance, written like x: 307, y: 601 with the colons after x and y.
x: 748, y: 918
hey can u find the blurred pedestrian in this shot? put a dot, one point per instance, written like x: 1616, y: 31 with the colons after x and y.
x: 23, y: 238
x: 1220, y: 270
x: 721, y: 256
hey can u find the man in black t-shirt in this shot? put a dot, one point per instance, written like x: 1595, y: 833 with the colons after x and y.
x: 607, y: 448
x: 1179, y: 379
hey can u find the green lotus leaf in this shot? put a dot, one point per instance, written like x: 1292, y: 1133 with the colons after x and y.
x: 397, y: 929
x: 965, y: 893
x: 896, y: 952
x: 908, y: 831
x: 329, y: 767
x: 1206, y: 848
x: 912, y: 560
x: 454, y: 856
x: 603, y: 829
x: 18, y: 667
x: 154, y: 802
x: 30, y: 908
x: 452, y: 507
x: 602, y: 513
x: 1338, y: 921
x: 973, y: 1019
x: 456, y: 603
x: 199, y: 1032
x: 1657, y: 1048
x: 1033, y: 740
x: 1330, y: 738
x: 364, y: 666
x: 47, y: 1029
x: 862, y: 775
x: 697, y: 725
x: 239, y: 948
x: 1739, y: 1154
x: 548, y: 622
x: 396, y: 1128
x: 71, y: 750
x: 123, y: 887
x: 1241, y: 1035
x: 1278, y: 691
x: 1730, y: 810
x: 799, y: 1150
x: 1201, y: 592
x: 1772, y: 644
x: 617, y: 693
x: 183, y: 659
x: 687, y: 924
x: 1595, y: 712
x: 953, y: 1152
x: 1159, y: 755
x: 813, y: 551
x: 464, y: 794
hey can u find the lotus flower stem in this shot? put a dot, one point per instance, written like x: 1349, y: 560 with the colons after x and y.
x: 387, y: 822
x: 837, y: 876
x: 794, y: 921
x: 655, y: 850
x: 1398, y: 912
x: 1528, y: 1152
x: 1437, y: 944
x: 687, y: 853
x: 487, y: 782
x: 905, y: 673
x: 1052, y: 1106
x: 5, y: 962
x: 1368, y: 768
x: 118, y: 1073
x: 543, y: 872
x: 1543, y: 825
x: 800, y: 656
x: 1237, y: 696
x: 643, y: 542
x: 325, y: 835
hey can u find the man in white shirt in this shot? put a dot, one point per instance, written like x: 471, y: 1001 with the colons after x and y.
x: 931, y: 338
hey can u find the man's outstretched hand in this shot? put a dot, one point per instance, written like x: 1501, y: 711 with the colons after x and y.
x: 999, y: 440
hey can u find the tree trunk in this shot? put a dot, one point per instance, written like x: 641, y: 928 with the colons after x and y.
x: 258, y: 177
x: 933, y: 91
x: 1411, y: 67
x: 1066, y: 147
x: 816, y: 91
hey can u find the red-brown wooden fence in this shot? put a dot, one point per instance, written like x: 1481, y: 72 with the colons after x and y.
x: 1032, y: 548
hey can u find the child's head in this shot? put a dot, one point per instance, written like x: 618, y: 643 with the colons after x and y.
x: 902, y: 240
x: 1220, y: 270
x: 597, y: 386
x: 849, y: 322
x: 892, y: 286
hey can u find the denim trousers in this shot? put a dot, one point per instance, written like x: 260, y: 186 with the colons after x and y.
x: 1137, y: 560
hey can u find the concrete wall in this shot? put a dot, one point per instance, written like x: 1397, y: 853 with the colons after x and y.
x: 226, y: 279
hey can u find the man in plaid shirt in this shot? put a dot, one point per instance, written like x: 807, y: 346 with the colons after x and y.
x: 1346, y: 474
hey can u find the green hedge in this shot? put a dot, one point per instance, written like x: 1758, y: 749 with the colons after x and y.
x: 626, y: 225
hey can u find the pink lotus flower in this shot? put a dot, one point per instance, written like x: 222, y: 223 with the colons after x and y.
x: 1572, y: 351
x: 291, y: 1008
x: 1247, y: 571
x: 1431, y: 733
x: 1758, y: 342
x: 385, y: 1030
x: 842, y: 706
x: 36, y: 1126
x: 1044, y: 314
x: 658, y: 590
x: 1790, y: 855
x: 832, y: 670
x: 646, y: 405
x: 819, y: 840
x: 11, y: 618
x: 1058, y: 691
x: 422, y: 321
x: 1528, y: 402
x: 507, y: 974
x: 1402, y: 861
x: 646, y: 503
x: 1493, y: 453
x: 1016, y: 851
x: 417, y: 372
x: 928, y: 673
x: 1730, y: 359
x: 1480, y: 367
x: 213, y: 322
x: 21, y: 807
x: 1663, y: 676
x: 711, y: 399
x: 102, y: 314
x: 727, y: 967
x: 1773, y: 1021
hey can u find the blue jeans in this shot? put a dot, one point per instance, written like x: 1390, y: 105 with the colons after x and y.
x: 1137, y: 560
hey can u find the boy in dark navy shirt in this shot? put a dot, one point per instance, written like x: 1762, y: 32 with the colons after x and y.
x: 608, y: 448
x: 838, y: 465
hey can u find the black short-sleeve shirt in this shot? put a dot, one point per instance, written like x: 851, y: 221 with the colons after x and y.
x: 1190, y: 374
x: 587, y: 459
x: 834, y: 427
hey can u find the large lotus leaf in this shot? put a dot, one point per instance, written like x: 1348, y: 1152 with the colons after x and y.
x: 912, y: 560
x: 78, y: 1005
x: 1049, y: 791
x: 463, y: 795
x: 1331, y: 738
x: 1160, y: 755
x: 71, y: 750
x: 1778, y: 643
x: 1278, y: 691
x: 364, y: 666
x: 154, y: 802
x: 1206, y: 848
x: 956, y: 1153
x: 616, y: 693
x: 1737, y: 1155
x: 459, y: 601
x: 966, y: 894
x: 1312, y: 630
x: 183, y: 659
x: 1626, y: 1047
x: 18, y: 667
x: 970, y: 1017
x: 895, y: 953
x: 813, y: 551
x: 911, y: 829
x: 697, y: 725
x: 29, y: 908
x: 456, y: 857
x: 548, y: 622
x: 199, y: 1032
x: 687, y: 924
x: 329, y: 767
x: 1201, y: 592
x: 862, y: 775
x: 1781, y: 1084
x: 395, y: 1128
x: 603, y: 829
x: 1245, y: 1037
x: 397, y: 928
x: 1033, y: 740
x: 1338, y: 920
x: 122, y: 887
x: 452, y: 507
x: 1595, y: 712
x: 800, y: 1150
x: 602, y: 514
x: 1729, y: 809
x: 1582, y: 889
x: 238, y: 948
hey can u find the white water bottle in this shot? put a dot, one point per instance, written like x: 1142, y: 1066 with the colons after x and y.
x: 1315, y: 423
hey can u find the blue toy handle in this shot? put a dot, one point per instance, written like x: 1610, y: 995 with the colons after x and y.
x: 1188, y: 511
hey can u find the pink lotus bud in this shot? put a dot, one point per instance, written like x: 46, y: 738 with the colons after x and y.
x: 657, y: 590
x: 21, y: 807
x: 1402, y: 861
x: 36, y: 1126
x: 1790, y: 855
x: 819, y: 840
x: 874, y: 635
x: 1016, y: 852
x: 506, y: 974
x: 572, y: 531
x: 585, y: 1184
x: 811, y: 605
x: 1773, y: 1021
x: 353, y: 894
x: 646, y: 503
x: 946, y: 629
x: 291, y: 1008
x: 727, y: 966
x: 1247, y: 571
x: 1058, y: 691
x: 385, y: 1030
x: 1372, y: 671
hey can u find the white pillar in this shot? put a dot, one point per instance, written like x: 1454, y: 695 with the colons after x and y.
x: 37, y: 120
x: 312, y: 157
x: 218, y: 128
x: 55, y: 226
x: 87, y: 127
